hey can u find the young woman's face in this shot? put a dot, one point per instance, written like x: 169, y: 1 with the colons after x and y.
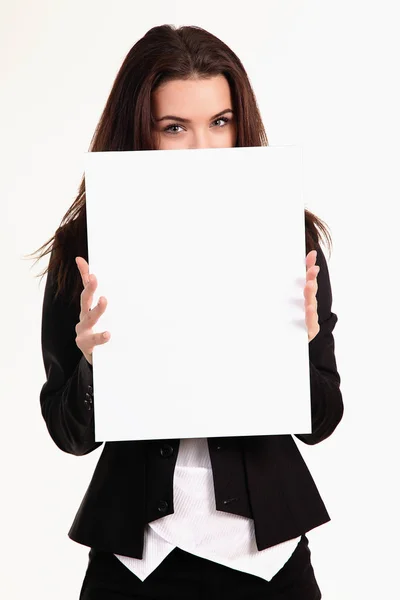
x: 186, y: 111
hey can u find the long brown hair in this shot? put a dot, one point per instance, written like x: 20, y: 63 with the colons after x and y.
x: 163, y: 54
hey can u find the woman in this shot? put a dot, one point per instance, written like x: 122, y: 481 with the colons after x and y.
x: 205, y: 518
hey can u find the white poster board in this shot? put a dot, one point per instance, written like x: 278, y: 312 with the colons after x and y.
x: 201, y: 256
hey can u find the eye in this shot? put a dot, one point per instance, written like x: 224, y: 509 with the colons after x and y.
x: 224, y: 119
x: 169, y: 127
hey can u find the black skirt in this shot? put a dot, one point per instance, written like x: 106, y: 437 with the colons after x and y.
x: 185, y: 576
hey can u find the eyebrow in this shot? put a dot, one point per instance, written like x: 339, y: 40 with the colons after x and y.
x: 182, y: 120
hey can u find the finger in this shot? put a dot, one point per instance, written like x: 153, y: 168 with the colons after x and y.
x: 88, y: 319
x: 91, y: 317
x: 310, y: 289
x: 310, y: 299
x: 311, y: 316
x: 312, y: 320
x: 96, y: 339
x: 90, y: 340
x: 83, y: 269
x: 311, y: 258
x: 87, y: 295
x: 312, y: 272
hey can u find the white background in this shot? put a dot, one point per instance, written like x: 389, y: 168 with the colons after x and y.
x: 325, y: 78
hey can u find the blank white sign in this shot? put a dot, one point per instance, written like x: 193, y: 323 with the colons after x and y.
x: 201, y: 256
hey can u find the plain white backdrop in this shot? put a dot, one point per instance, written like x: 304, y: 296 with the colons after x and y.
x: 325, y: 75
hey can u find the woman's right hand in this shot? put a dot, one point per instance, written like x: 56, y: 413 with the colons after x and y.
x: 85, y: 339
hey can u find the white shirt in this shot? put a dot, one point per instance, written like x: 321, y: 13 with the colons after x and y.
x: 197, y: 527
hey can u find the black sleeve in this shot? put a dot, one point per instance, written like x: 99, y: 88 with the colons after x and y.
x: 66, y: 398
x: 326, y: 397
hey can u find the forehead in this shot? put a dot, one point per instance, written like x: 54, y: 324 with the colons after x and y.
x: 191, y: 97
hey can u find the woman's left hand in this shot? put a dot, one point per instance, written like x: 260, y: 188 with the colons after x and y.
x: 310, y: 295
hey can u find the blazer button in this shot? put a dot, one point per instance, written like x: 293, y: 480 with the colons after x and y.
x: 166, y: 450
x: 89, y: 399
x: 162, y: 506
x: 87, y: 403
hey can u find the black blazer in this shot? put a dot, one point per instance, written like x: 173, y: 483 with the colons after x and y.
x: 262, y: 477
